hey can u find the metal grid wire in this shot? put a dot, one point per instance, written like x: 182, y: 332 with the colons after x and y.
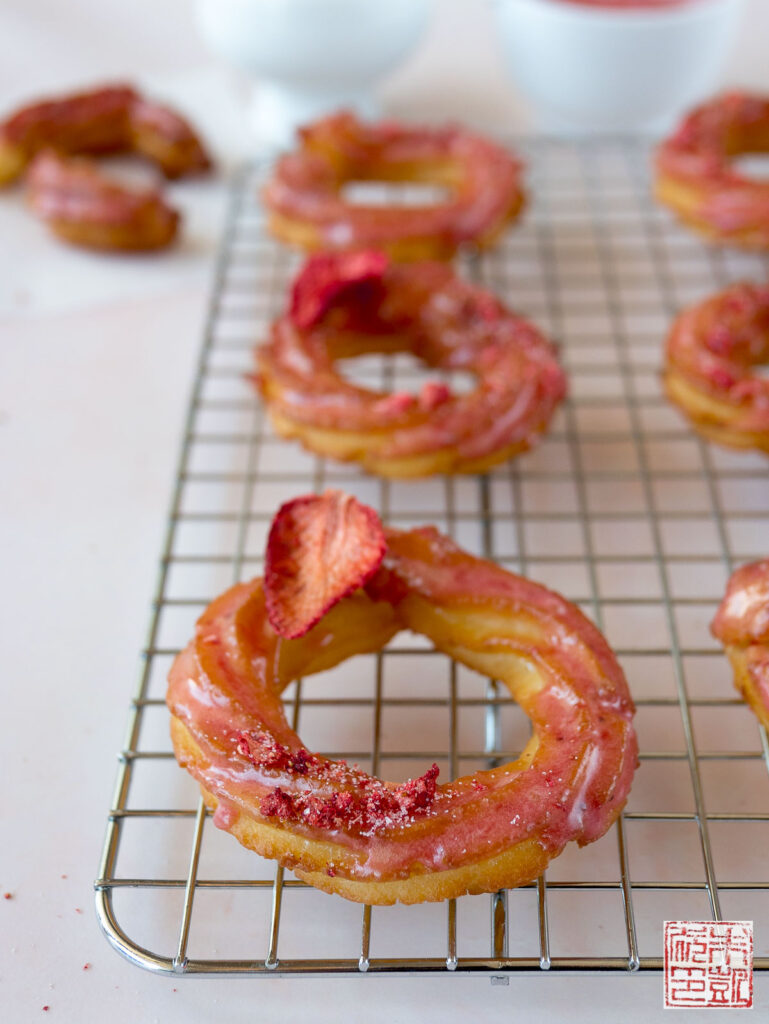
x: 622, y: 508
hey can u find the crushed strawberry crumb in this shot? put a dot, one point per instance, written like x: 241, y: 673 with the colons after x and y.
x: 372, y: 807
x: 7, y: 895
x: 86, y: 967
x: 277, y: 805
x: 263, y: 751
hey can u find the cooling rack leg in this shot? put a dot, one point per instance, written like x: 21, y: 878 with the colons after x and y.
x: 499, y: 925
x: 627, y: 901
x: 277, y: 898
x: 365, y: 942
x: 451, y: 959
x: 544, y: 925
x: 189, y: 891
x: 498, y: 899
x: 492, y: 741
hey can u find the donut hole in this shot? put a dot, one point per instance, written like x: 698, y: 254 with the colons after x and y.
x: 130, y: 171
x: 380, y: 192
x: 747, y: 146
x: 753, y: 166
x: 390, y: 369
x: 393, y: 182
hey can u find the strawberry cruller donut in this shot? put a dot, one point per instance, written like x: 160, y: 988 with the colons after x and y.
x: 112, y: 119
x: 711, y: 354
x: 84, y: 207
x: 742, y: 626
x: 696, y: 177
x: 336, y: 584
x: 348, y: 304
x: 53, y: 143
x: 307, y: 207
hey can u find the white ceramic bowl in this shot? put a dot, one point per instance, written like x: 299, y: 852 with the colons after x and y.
x: 311, y: 56
x: 588, y: 68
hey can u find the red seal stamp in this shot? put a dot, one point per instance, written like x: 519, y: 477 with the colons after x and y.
x: 708, y: 963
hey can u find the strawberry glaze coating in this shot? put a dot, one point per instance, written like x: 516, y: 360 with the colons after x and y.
x: 742, y: 626
x: 357, y: 303
x: 711, y: 353
x: 113, y: 119
x: 373, y: 841
x: 307, y: 207
x: 84, y: 208
x: 696, y: 177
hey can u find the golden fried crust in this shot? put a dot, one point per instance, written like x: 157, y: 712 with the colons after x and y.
x: 711, y: 417
x: 746, y: 665
x: 346, y: 446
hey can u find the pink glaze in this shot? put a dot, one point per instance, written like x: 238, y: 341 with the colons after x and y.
x: 225, y: 815
x: 149, y: 116
x: 699, y: 155
x: 715, y: 346
x: 108, y: 120
x: 89, y: 122
x: 743, y: 615
x: 447, y: 324
x: 742, y: 623
x: 69, y: 190
x: 306, y: 184
x: 225, y: 688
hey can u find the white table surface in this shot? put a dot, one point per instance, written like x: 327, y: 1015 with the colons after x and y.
x: 96, y: 359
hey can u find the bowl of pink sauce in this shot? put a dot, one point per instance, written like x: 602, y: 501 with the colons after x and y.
x: 615, y: 65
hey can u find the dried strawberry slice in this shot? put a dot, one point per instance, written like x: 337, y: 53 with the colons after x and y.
x: 320, y: 548
x: 325, y: 276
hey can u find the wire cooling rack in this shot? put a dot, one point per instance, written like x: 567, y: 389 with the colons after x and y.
x: 621, y: 508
